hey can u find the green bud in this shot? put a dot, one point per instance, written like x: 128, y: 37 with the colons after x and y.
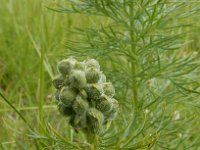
x: 64, y: 110
x: 108, y: 89
x: 58, y: 81
x: 67, y: 96
x: 95, y: 120
x: 92, y: 75
x: 92, y: 63
x: 79, y: 66
x: 77, y: 79
x: 105, y: 104
x: 80, y: 106
x: 94, y: 91
x: 82, y: 93
x: 113, y: 113
x: 65, y: 66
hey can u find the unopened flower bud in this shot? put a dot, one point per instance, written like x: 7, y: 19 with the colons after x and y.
x: 95, y: 120
x: 92, y: 63
x: 67, y: 96
x: 105, y: 104
x: 58, y: 81
x: 65, y: 66
x: 92, y: 75
x: 64, y: 110
x: 108, y: 89
x: 82, y: 93
x: 80, y: 105
x: 79, y: 66
x: 94, y: 91
x: 115, y: 108
x: 77, y: 79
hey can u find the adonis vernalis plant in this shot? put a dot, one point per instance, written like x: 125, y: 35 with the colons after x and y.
x: 139, y: 91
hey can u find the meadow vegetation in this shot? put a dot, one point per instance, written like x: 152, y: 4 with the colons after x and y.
x: 148, y: 49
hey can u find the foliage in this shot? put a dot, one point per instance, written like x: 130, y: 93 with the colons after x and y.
x: 143, y: 44
x: 147, y: 48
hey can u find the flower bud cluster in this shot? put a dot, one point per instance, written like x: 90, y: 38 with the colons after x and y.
x: 83, y: 95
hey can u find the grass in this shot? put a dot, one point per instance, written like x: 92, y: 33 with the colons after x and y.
x: 163, y: 88
x: 32, y: 41
x: 22, y: 73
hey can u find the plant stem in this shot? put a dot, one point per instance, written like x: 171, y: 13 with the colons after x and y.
x: 41, y: 96
x: 133, y: 48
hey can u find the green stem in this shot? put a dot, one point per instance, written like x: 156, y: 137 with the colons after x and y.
x: 133, y: 52
x: 41, y: 96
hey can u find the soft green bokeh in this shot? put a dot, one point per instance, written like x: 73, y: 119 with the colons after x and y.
x: 160, y: 69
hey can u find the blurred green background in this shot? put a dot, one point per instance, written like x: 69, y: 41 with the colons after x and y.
x: 27, y: 29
